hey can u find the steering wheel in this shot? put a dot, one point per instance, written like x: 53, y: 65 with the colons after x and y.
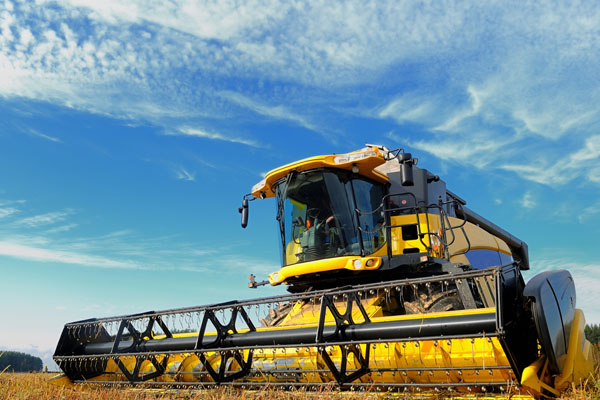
x: 313, y: 212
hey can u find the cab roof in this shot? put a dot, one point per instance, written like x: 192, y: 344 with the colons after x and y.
x: 365, y: 159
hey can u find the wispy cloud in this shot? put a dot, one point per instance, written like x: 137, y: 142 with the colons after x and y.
x: 185, y: 175
x: 62, y: 228
x: 10, y: 208
x: 593, y: 174
x: 588, y: 212
x: 413, y: 107
x: 36, y: 133
x: 48, y: 255
x: 117, y: 234
x: 189, y: 131
x: 7, y: 211
x: 458, y: 149
x: 44, y: 219
x: 119, y: 249
x: 527, y: 201
x: 479, y: 134
x: 204, y: 163
x: 487, y: 81
x: 278, y: 112
x: 563, y: 168
x: 122, y: 59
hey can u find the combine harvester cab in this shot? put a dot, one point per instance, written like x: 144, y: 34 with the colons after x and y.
x: 395, y: 286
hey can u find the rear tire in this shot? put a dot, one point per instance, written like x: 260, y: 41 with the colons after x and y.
x: 447, y: 303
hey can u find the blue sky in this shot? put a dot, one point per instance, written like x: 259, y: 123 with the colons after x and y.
x: 130, y: 132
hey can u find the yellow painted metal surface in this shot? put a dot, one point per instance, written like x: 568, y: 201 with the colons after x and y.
x: 60, y: 380
x: 478, y: 239
x: 579, y: 360
x: 366, y: 167
x: 429, y: 228
x: 352, y: 263
x: 460, y: 361
x: 536, y: 377
x: 426, y: 224
x: 578, y: 363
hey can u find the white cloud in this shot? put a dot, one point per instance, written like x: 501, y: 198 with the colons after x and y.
x: 524, y: 94
x: 185, y: 175
x: 124, y: 61
x: 34, y: 132
x: 588, y: 212
x: 26, y: 252
x: 488, y: 75
x: 120, y: 249
x: 527, y: 201
x: 564, y: 167
x: 278, y: 112
x: 473, y: 134
x: 593, y: 174
x: 44, y: 219
x: 189, y: 131
x: 457, y: 149
x: 205, y: 163
x: 591, y: 151
x: 117, y: 234
x: 323, y: 37
x: 410, y: 107
x: 7, y: 211
x: 206, y: 20
x: 62, y: 228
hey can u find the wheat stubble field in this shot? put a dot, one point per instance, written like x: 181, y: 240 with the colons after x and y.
x: 35, y: 386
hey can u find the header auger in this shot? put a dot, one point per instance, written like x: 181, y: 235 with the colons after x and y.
x: 395, y: 286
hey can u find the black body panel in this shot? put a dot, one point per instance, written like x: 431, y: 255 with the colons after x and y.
x: 418, y: 329
x: 553, y: 295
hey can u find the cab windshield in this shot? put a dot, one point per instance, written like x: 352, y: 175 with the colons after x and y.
x: 328, y: 213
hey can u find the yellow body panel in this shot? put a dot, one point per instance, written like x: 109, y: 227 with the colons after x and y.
x: 429, y: 241
x: 577, y: 367
x: 579, y: 360
x: 479, y: 239
x: 426, y: 224
x: 430, y: 227
x: 366, y: 167
x: 327, y: 264
x: 61, y: 380
x: 464, y: 361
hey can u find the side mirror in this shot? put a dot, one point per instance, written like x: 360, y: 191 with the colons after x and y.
x: 406, y: 169
x: 406, y: 172
x: 244, y: 211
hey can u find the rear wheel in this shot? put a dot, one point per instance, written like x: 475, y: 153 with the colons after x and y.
x: 276, y: 314
x: 423, y: 303
x: 447, y: 303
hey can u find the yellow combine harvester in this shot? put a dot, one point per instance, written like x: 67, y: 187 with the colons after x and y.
x: 395, y: 286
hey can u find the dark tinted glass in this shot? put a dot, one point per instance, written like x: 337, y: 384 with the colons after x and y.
x: 319, y: 216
